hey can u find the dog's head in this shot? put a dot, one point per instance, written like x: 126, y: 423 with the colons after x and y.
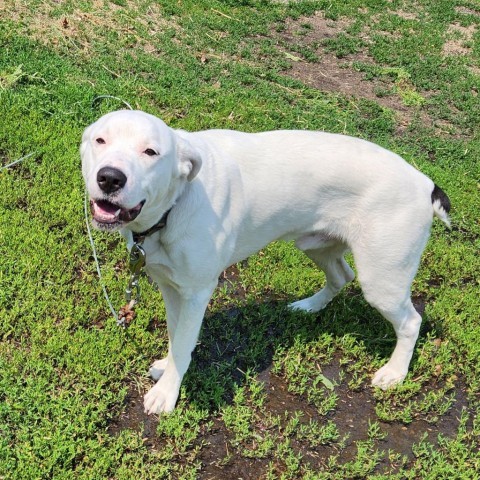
x: 134, y: 167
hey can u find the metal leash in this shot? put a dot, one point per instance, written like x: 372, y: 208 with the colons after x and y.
x: 97, y: 264
x: 136, y: 262
x: 118, y: 317
x: 17, y: 161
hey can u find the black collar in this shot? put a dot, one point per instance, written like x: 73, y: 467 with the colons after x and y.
x: 139, y: 237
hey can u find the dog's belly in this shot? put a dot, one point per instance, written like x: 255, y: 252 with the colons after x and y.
x: 315, y: 241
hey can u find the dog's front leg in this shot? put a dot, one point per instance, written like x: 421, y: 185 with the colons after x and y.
x: 172, y: 301
x: 191, y: 309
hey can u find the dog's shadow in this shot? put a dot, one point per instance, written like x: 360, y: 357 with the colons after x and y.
x: 245, y: 338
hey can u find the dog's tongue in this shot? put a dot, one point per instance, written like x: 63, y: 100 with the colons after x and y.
x: 105, y: 212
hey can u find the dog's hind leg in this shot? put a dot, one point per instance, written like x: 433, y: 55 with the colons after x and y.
x: 406, y: 322
x: 386, y: 263
x: 337, y: 271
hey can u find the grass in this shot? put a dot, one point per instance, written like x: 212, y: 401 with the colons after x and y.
x: 270, y: 394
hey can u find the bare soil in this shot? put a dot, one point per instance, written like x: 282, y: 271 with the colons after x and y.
x: 340, y: 75
x: 459, y: 39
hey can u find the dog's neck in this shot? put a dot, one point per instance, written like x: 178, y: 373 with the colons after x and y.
x: 139, y: 237
x: 132, y: 235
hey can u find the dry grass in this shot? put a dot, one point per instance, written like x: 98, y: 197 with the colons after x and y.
x: 82, y: 25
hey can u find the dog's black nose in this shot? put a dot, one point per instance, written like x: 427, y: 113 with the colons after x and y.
x: 111, y: 179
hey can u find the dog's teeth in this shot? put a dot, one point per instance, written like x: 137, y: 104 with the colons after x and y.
x: 117, y: 213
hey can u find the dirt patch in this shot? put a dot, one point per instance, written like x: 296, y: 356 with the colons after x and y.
x: 391, y: 88
x: 460, y: 36
x: 220, y: 461
x: 229, y: 282
x: 407, y: 15
x: 356, y: 411
x: 329, y: 73
x: 353, y: 415
x: 134, y: 418
x: 467, y: 11
x: 340, y: 75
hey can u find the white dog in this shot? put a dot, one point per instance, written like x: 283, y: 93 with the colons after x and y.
x: 227, y: 194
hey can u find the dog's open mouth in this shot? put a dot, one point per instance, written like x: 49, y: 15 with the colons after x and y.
x: 109, y: 215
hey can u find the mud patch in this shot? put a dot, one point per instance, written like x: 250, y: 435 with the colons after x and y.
x: 220, y: 461
x: 353, y: 416
x: 134, y: 418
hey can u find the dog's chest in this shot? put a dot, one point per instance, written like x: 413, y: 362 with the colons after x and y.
x: 164, y: 265
x: 158, y: 265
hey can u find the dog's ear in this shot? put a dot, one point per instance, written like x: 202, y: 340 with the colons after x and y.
x: 189, y: 158
x: 86, y: 153
x: 84, y: 142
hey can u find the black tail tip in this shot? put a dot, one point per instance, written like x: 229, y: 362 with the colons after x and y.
x: 439, y: 195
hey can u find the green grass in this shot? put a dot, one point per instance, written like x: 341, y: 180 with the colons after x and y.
x: 67, y: 372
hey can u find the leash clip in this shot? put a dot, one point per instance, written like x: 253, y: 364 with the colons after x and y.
x: 136, y: 263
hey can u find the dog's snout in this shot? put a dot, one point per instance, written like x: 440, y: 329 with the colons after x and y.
x: 111, y: 179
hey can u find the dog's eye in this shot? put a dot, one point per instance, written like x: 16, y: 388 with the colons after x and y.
x: 150, y: 152
x: 100, y: 141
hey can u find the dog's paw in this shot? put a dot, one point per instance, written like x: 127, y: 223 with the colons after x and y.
x: 309, y: 305
x: 160, y: 399
x: 301, y: 305
x: 157, y: 368
x: 387, y: 377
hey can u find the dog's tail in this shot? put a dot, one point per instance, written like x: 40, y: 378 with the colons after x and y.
x: 441, y: 205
